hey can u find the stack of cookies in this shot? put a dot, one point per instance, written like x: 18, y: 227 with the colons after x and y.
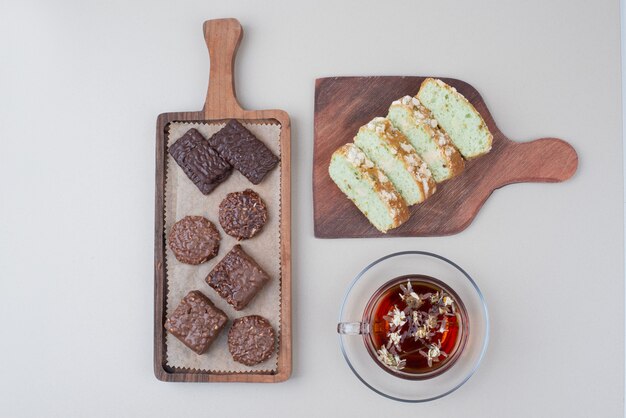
x: 237, y: 278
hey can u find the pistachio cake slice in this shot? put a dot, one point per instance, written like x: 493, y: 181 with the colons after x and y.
x: 431, y: 142
x: 390, y: 150
x: 460, y: 119
x: 368, y: 188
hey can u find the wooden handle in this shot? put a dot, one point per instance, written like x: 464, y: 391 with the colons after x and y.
x: 542, y: 160
x: 222, y: 37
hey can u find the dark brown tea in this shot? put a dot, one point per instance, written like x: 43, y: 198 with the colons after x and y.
x: 418, y: 327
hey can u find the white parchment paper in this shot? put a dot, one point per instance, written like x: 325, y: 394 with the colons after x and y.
x: 183, y: 198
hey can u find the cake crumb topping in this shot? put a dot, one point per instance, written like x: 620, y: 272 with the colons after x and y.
x: 420, y: 112
x: 354, y: 156
x: 411, y: 160
x: 388, y: 196
x: 406, y: 147
x: 358, y: 158
x: 378, y: 125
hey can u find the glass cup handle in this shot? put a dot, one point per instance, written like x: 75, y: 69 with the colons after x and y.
x: 353, y: 328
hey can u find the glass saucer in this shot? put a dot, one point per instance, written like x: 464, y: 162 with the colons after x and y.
x: 409, y: 263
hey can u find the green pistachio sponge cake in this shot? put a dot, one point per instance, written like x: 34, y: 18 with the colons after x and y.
x: 368, y: 187
x: 467, y: 129
x: 390, y: 150
x: 431, y: 142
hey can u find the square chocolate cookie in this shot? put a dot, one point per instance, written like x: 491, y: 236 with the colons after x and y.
x: 244, y: 151
x: 201, y: 163
x: 196, y: 322
x: 237, y: 278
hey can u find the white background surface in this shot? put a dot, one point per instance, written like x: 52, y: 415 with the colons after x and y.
x: 81, y: 84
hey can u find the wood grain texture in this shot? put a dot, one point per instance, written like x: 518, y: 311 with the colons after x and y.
x: 222, y: 37
x: 343, y: 104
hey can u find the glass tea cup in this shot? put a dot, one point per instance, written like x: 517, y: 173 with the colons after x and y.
x: 362, y: 327
x: 413, y: 327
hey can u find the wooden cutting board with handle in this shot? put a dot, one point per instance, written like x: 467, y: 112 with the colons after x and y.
x: 343, y: 104
x: 222, y: 37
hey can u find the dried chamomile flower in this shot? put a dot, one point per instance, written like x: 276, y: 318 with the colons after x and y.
x: 412, y: 299
x: 445, y: 304
x: 394, y: 340
x: 422, y: 333
x: 434, y: 297
x: 444, y: 310
x: 416, y: 318
x: 444, y: 325
x: 390, y: 360
x: 432, y: 322
x: 433, y: 354
x: 397, y: 317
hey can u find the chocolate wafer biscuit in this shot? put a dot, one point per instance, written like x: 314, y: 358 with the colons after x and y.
x: 244, y: 151
x: 201, y: 163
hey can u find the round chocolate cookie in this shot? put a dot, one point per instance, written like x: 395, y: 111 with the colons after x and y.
x: 194, y: 240
x: 243, y: 214
x: 251, y: 340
